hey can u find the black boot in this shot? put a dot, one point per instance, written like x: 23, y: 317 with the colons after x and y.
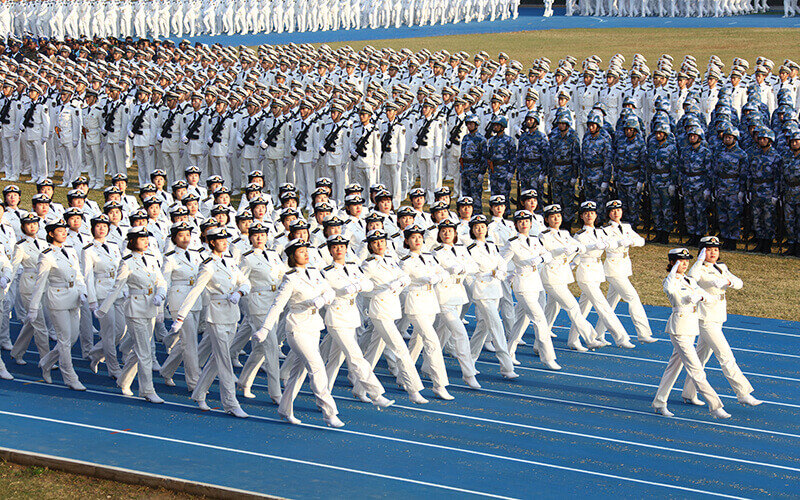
x: 797, y: 250
x: 730, y: 244
x: 664, y: 238
x: 694, y: 240
x: 758, y: 247
x: 790, y: 250
x: 767, y: 246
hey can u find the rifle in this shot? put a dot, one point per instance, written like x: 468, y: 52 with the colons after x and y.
x: 191, y: 132
x: 488, y: 131
x: 361, y: 145
x: 780, y: 230
x: 302, y: 137
x: 216, y: 132
x: 386, y: 139
x: 679, y: 213
x: 167, y: 125
x: 27, y: 121
x: 136, y: 125
x: 647, y: 215
x: 272, y: 135
x: 747, y: 220
x: 4, y: 120
x: 422, y: 134
x: 330, y: 139
x: 454, y: 133
x: 108, y: 125
x: 249, y: 132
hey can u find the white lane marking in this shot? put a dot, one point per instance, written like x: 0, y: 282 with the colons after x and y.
x: 387, y: 438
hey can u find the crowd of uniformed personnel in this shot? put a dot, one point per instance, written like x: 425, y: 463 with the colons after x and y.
x: 340, y: 137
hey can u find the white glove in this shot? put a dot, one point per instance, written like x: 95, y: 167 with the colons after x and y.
x: 351, y: 289
x: 159, y: 138
x: 573, y: 181
x: 457, y: 269
x: 671, y: 190
x: 176, y: 326
x: 322, y: 151
x: 601, y: 245
x: 774, y: 200
x: 434, y: 279
x: 395, y: 285
x: 294, y: 150
x: 695, y: 298
x: 547, y: 257
x: 604, y: 187
x: 150, y: 149
x: 74, y: 144
x: 121, y: 143
x: 740, y: 197
x: 160, y: 317
x: 706, y: 194
x: 701, y: 256
x: 328, y: 296
x: 721, y: 283
x: 3, y: 282
x: 500, y: 274
x: 318, y: 302
x: 263, y: 144
x: 32, y: 314
x: 405, y: 281
x: 99, y: 314
x: 185, y: 139
x: 234, y: 298
x: 261, y: 334
x: 626, y: 241
x: 93, y: 307
x: 158, y: 299
x: 674, y: 269
x: 240, y: 143
x: 84, y: 299
x: 639, y: 187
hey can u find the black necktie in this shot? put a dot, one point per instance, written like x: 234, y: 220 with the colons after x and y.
x: 105, y: 247
x: 65, y: 253
x: 144, y: 261
x: 36, y: 244
x: 188, y: 256
x: 421, y: 259
x: 345, y: 270
x: 718, y: 269
x: 308, y: 275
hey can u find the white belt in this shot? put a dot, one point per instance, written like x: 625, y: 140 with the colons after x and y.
x: 684, y: 309
x: 268, y: 288
x: 104, y: 275
x: 344, y: 302
x: 26, y: 270
x: 189, y: 282
x: 140, y: 291
x: 218, y: 297
x: 616, y: 255
x: 62, y: 284
x: 420, y: 288
x: 596, y: 260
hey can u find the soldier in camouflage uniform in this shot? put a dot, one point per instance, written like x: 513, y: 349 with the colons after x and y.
x: 597, y: 155
x: 473, y: 161
x: 662, y: 170
x: 730, y: 175
x: 693, y: 174
x: 629, y: 168
x: 763, y: 180
x: 565, y: 151
x: 502, y: 158
x: 533, y: 154
x: 791, y: 194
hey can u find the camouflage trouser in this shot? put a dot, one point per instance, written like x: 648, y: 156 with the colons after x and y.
x: 501, y: 181
x: 627, y: 194
x: 661, y: 207
x: 472, y: 185
x: 791, y: 214
x: 763, y: 216
x: 529, y: 176
x: 592, y: 192
x: 729, y: 213
x: 564, y: 194
x: 695, y: 210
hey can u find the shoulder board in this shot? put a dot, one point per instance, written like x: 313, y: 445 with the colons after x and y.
x: 47, y: 250
x: 513, y: 238
x: 87, y: 246
x: 470, y: 247
x: 291, y: 271
x: 127, y: 256
x: 247, y: 253
x: 546, y: 231
x: 209, y: 259
x: 395, y: 235
x: 608, y: 224
x: 328, y: 268
x: 169, y: 253
x: 408, y: 256
x: 321, y: 245
x: 439, y: 247
x: 316, y: 229
x: 580, y: 232
x: 21, y: 241
x: 370, y: 258
x: 348, y: 262
x: 280, y: 235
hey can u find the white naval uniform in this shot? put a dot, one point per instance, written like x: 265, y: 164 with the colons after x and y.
x: 24, y: 267
x: 683, y: 293
x: 715, y: 279
x: 100, y: 264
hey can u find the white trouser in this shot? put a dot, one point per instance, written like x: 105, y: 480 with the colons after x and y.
x: 684, y: 354
x: 219, y: 364
x: 487, y: 312
x: 265, y: 352
x: 65, y: 322
x: 274, y: 174
x: 171, y: 164
x: 452, y: 332
x: 36, y: 156
x: 390, y: 177
x: 712, y: 339
x: 425, y: 339
x: 507, y: 306
x: 140, y: 333
x: 185, y: 351
x: 430, y: 176
x: 36, y: 330
x: 386, y: 336
x: 115, y: 157
x: 95, y: 166
x: 244, y: 331
x: 86, y: 330
x: 305, y: 181
x: 592, y: 296
x: 112, y: 329
x: 559, y: 296
x: 307, y: 361
x: 364, y: 176
x: 11, y: 157
x: 144, y: 163
x: 528, y: 308
x: 343, y: 346
x: 620, y: 288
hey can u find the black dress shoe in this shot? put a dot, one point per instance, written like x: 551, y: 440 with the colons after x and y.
x: 767, y: 248
x: 790, y: 250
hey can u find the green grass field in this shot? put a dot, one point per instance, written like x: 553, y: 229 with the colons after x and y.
x: 761, y: 274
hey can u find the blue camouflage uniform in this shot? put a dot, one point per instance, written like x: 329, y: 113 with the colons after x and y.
x: 533, y: 159
x: 502, y: 153
x: 662, y: 178
x: 629, y: 171
x: 790, y: 185
x: 597, y: 155
x: 763, y: 177
x: 729, y: 184
x: 695, y: 180
x: 473, y: 168
x: 565, y: 152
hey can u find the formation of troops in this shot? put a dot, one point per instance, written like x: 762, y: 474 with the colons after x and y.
x: 163, y: 18
x: 324, y: 146
x: 668, y: 8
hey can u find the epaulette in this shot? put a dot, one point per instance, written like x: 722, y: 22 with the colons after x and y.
x: 316, y: 230
x: 328, y: 268
x: 322, y: 245
x: 546, y: 231
x: 580, y: 232
x: 370, y: 258
x: 247, y: 253
x: 513, y: 238
x: 87, y: 246
x: 608, y: 224
x: 470, y: 247
x: 127, y: 256
x: 47, y: 250
x: 348, y: 262
x: 279, y: 235
x: 21, y: 241
x: 291, y: 271
x: 237, y: 240
x: 439, y: 247
x: 406, y: 257
x: 209, y: 259
x: 169, y: 253
x: 395, y: 235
